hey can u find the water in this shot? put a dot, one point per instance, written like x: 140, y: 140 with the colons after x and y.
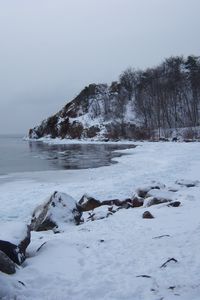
x: 17, y: 155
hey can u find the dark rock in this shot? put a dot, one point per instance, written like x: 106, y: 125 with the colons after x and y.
x: 174, y: 204
x: 163, y: 139
x: 174, y: 139
x: 137, y: 201
x: 187, y: 183
x: 87, y: 203
x: 12, y: 251
x: 112, y: 202
x: 188, y: 140
x: 172, y: 287
x: 6, y: 264
x: 174, y: 190
x: 59, y: 208
x: 16, y: 253
x: 127, y: 203
x: 147, y: 215
x: 47, y: 224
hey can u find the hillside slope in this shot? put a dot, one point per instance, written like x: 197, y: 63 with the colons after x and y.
x: 99, y: 111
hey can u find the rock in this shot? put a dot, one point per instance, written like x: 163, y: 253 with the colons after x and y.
x: 187, y: 183
x: 58, y: 210
x: 166, y: 194
x: 25, y: 242
x: 6, y: 264
x: 17, y: 253
x: 99, y: 213
x: 87, y: 203
x: 112, y: 209
x: 116, y: 202
x: 137, y: 201
x: 147, y: 215
x: 12, y: 251
x: 174, y: 139
x: 174, y: 204
x: 142, y: 191
x: 155, y: 200
x: 173, y: 189
x: 163, y: 139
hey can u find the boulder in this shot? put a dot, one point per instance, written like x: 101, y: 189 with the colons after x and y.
x: 142, y: 191
x: 187, y: 183
x: 147, y: 215
x: 16, y: 251
x: 127, y: 203
x: 137, y: 201
x: 87, y: 203
x: 12, y: 251
x: 155, y: 200
x: 56, y: 211
x: 6, y: 264
x: 116, y: 202
x: 174, y: 204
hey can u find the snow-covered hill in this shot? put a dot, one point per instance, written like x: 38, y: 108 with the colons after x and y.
x: 99, y: 111
x: 139, y: 106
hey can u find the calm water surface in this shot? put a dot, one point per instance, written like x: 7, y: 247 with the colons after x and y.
x: 17, y: 155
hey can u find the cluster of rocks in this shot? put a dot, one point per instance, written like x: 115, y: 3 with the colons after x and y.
x: 61, y: 209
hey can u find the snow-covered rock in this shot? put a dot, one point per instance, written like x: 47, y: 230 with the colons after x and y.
x: 13, y: 252
x: 88, y: 203
x: 155, y: 200
x: 143, y: 190
x: 56, y: 211
x: 187, y: 183
x: 99, y: 213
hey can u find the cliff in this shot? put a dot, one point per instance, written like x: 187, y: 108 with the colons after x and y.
x: 99, y: 111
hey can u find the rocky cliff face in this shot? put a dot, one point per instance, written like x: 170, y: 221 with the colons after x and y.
x: 99, y: 111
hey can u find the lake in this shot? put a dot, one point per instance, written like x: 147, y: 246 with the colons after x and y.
x: 17, y: 155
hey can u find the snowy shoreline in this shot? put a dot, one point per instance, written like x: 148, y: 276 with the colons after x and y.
x: 76, y: 265
x: 59, y: 141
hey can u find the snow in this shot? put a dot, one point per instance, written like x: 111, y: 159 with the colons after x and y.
x: 105, y: 259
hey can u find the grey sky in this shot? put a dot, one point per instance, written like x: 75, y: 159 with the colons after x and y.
x: 51, y: 49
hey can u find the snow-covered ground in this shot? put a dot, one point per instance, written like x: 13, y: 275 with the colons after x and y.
x: 105, y: 259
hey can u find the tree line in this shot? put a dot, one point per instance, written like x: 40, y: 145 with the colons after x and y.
x: 167, y: 96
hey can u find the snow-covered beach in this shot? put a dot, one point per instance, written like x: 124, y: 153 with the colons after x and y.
x: 105, y: 259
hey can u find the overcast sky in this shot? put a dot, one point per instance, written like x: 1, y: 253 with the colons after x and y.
x: 51, y: 49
